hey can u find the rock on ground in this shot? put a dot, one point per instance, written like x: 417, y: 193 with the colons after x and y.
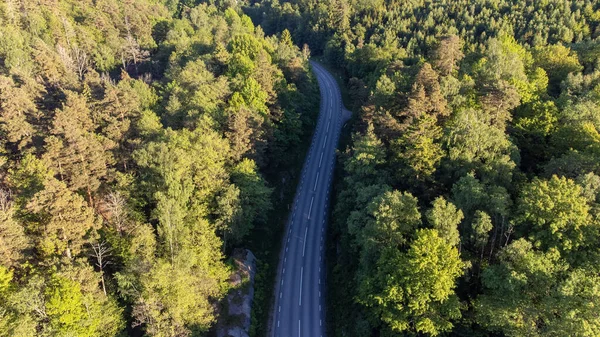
x: 237, y: 306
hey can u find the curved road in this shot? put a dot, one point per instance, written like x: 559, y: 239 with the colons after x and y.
x: 299, y: 305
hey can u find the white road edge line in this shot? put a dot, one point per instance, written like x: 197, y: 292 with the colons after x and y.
x: 304, y: 247
x: 301, y: 273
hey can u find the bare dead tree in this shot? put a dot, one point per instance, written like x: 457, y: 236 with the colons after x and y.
x: 5, y: 200
x: 105, y: 78
x: 493, y: 242
x: 146, y: 78
x: 65, y: 57
x: 305, y: 52
x: 115, y: 205
x: 81, y: 61
x: 10, y: 10
x: 74, y: 59
x: 38, y: 304
x: 69, y: 31
x: 508, y: 233
x: 132, y: 52
x: 102, y: 255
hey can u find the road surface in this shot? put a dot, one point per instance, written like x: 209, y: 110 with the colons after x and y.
x: 299, y: 301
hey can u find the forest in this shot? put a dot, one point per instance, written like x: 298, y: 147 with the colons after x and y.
x: 140, y: 141
x: 468, y: 194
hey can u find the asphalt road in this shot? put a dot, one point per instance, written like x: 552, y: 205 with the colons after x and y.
x: 299, y: 305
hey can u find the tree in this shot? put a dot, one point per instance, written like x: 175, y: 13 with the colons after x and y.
x: 417, y: 149
x: 581, y: 136
x: 245, y: 131
x: 481, y: 227
x: 72, y: 306
x: 558, y: 61
x: 395, y: 215
x: 286, y: 136
x: 194, y: 91
x: 539, y: 118
x: 255, y: 198
x: 131, y: 49
x: 469, y: 194
x: 418, y: 298
x: 590, y: 184
x: 535, y: 123
x: 253, y: 96
x: 385, y: 223
x: 185, y: 171
x: 385, y: 91
x: 504, y: 72
x: 74, y: 151
x: 476, y: 145
x: 17, y: 107
x: 28, y: 178
x: 555, y: 214
x: 578, y: 294
x: 426, y: 96
x: 13, y: 241
x: 286, y: 38
x: 368, y: 156
x: 116, y: 116
x: 63, y: 222
x: 447, y: 54
x: 534, y: 293
x: 176, y: 297
x: 13, y: 322
x: 267, y: 75
x: 229, y: 219
x: 445, y: 218
x: 65, y: 308
x: 246, y: 45
x: 183, y: 160
x: 339, y: 12
x: 102, y: 255
x: 356, y: 211
x: 137, y: 251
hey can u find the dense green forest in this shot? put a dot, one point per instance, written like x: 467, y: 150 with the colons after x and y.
x: 140, y: 141
x: 468, y: 196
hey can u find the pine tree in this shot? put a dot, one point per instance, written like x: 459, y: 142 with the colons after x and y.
x: 417, y: 149
x: 74, y: 151
x: 64, y: 223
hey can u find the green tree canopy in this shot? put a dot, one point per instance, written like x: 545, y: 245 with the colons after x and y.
x: 445, y: 218
x: 555, y: 214
x: 418, y: 298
